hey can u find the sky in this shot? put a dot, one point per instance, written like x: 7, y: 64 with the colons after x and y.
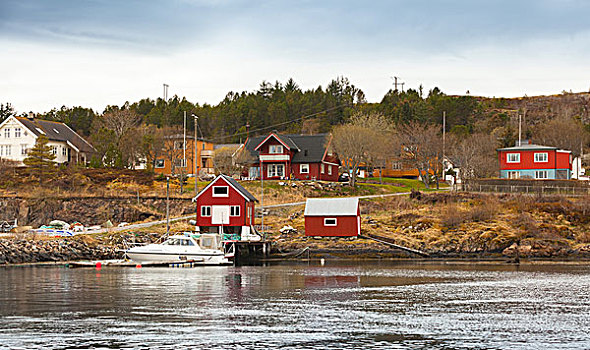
x: 94, y: 53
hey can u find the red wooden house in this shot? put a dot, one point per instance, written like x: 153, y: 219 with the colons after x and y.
x: 302, y: 157
x: 332, y: 217
x: 224, y: 206
x: 535, y: 162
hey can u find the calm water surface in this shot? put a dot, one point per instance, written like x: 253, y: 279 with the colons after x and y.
x: 337, y: 306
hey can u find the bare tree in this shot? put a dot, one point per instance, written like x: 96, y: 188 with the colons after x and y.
x: 120, y: 121
x: 563, y: 132
x: 224, y: 163
x: 475, y: 155
x: 421, y: 145
x: 364, y: 139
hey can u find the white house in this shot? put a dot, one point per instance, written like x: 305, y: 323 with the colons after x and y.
x: 19, y: 134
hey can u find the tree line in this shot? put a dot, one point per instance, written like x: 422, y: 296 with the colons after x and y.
x: 124, y: 134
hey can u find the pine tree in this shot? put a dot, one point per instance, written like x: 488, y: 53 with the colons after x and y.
x: 40, y: 158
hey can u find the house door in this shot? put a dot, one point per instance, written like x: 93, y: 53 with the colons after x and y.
x: 220, y: 215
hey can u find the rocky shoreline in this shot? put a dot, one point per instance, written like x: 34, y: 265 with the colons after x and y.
x: 18, y: 251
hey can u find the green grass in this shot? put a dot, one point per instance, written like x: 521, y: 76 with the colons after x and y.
x: 405, y: 184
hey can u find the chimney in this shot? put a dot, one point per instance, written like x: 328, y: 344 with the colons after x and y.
x: 31, y: 115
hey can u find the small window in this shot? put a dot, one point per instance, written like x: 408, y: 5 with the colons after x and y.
x: 513, y: 158
x: 23, y: 149
x: 541, y: 174
x: 329, y: 170
x: 159, y: 163
x: 541, y: 157
x: 16, y: 132
x: 64, y: 151
x: 7, y: 133
x: 514, y: 174
x: 234, y: 210
x: 304, y: 168
x: 8, y: 150
x: 178, y: 144
x: 322, y: 168
x: 180, y: 163
x: 205, y: 210
x: 275, y: 149
x: 330, y: 222
x: 220, y: 191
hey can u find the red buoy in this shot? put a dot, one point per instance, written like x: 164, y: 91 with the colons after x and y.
x: 138, y: 266
x: 98, y: 265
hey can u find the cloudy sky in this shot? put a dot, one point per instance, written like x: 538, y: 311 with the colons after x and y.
x: 98, y: 52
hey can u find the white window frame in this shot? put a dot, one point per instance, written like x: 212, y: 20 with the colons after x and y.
x: 304, y: 168
x: 1, y: 150
x: 329, y: 169
x: 322, y: 168
x: 272, y: 170
x: 275, y: 149
x: 545, y: 172
x: 23, y: 150
x: 234, y: 210
x: 8, y: 150
x: 514, y: 174
x: 205, y: 211
x: 545, y: 160
x: 17, y: 132
x: 64, y: 151
x: 512, y: 154
x: 158, y: 162
x: 180, y: 163
x: 330, y: 224
x: 7, y: 133
x: 226, y: 194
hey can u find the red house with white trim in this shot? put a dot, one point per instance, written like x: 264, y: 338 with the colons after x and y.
x: 224, y: 206
x: 302, y: 157
x: 332, y: 217
x: 534, y: 162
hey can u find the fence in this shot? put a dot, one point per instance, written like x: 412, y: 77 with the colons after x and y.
x: 566, y: 188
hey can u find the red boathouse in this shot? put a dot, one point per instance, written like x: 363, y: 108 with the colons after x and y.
x: 332, y: 217
x: 224, y: 206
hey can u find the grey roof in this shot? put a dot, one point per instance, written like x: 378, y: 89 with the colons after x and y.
x: 239, y: 187
x: 230, y: 180
x: 309, y: 148
x: 528, y: 147
x: 331, y: 206
x: 56, y: 131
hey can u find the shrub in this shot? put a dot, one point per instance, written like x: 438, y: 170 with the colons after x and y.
x: 452, y: 216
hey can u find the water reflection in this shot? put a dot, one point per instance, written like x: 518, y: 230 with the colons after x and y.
x: 338, y: 306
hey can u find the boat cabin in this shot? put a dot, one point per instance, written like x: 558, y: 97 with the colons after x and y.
x: 226, y: 207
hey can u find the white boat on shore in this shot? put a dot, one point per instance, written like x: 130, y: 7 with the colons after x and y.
x: 203, y: 249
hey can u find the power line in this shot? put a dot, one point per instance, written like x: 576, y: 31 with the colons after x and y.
x: 279, y: 124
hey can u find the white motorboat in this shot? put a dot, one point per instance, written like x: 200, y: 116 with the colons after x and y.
x: 203, y: 249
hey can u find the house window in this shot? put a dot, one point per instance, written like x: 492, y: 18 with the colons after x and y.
x: 304, y: 168
x: 396, y: 166
x: 541, y: 157
x: 514, y: 174
x: 513, y: 158
x: 159, y: 163
x: 275, y: 149
x: 64, y: 151
x: 7, y: 133
x: 1, y: 150
x: 23, y: 149
x: 330, y: 222
x: 178, y: 144
x: 180, y: 163
x: 329, y: 170
x: 205, y: 210
x: 17, y: 132
x: 53, y: 150
x: 234, y: 210
x: 322, y: 168
x: 220, y: 191
x: 541, y: 174
x: 8, y: 150
x: 276, y: 170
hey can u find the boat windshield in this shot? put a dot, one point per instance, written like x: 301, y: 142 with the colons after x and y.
x: 179, y: 241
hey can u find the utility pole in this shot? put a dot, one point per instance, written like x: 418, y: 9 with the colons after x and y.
x: 395, y: 83
x: 167, y: 205
x: 444, y: 132
x: 262, y: 198
x: 165, y: 92
x: 196, y: 158
x: 519, y: 130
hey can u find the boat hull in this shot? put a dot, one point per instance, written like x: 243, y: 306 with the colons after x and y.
x: 204, y: 259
